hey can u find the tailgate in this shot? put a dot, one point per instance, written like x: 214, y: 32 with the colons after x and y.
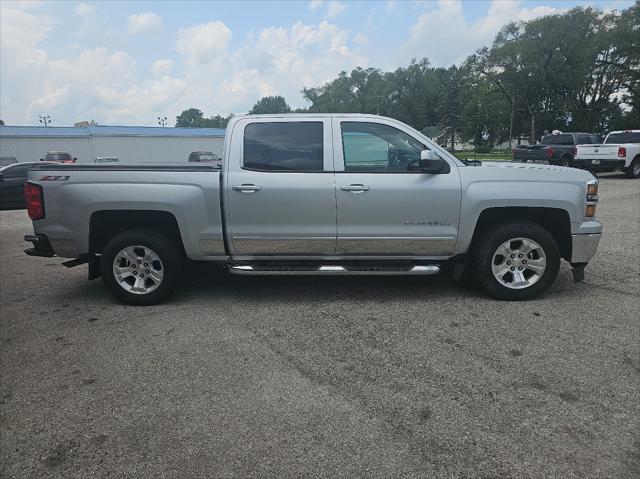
x: 530, y: 152
x: 591, y: 152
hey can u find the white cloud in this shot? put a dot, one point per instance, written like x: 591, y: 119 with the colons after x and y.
x: 146, y: 22
x: 161, y: 67
x: 335, y: 8
x: 205, y: 43
x: 84, y: 9
x: 390, y: 5
x: 444, y: 36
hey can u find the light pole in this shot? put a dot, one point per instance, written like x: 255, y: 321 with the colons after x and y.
x: 162, y: 121
x: 45, y: 119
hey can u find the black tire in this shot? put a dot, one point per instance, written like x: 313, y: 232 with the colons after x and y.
x: 565, y: 161
x: 489, y: 243
x: 635, y: 165
x: 166, y: 249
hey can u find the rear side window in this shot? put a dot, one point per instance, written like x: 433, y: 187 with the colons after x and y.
x: 562, y: 139
x: 624, y: 137
x: 57, y: 157
x: 283, y: 146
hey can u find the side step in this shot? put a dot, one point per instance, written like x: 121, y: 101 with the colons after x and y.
x: 332, y: 270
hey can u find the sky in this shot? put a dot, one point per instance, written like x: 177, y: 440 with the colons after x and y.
x: 126, y: 63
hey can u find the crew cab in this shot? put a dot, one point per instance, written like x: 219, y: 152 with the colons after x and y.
x: 620, y: 151
x: 557, y: 148
x: 323, y: 194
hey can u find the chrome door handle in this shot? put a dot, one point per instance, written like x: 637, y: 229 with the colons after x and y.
x: 356, y: 188
x: 246, y: 188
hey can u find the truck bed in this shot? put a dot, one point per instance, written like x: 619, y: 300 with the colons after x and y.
x: 76, y: 198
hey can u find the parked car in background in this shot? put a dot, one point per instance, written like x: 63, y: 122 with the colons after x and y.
x: 204, y: 157
x: 620, y: 151
x: 7, y: 160
x: 12, y: 180
x: 59, y: 157
x: 342, y: 194
x: 557, y: 148
x: 107, y: 159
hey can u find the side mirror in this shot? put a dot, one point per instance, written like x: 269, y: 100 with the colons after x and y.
x: 431, y: 163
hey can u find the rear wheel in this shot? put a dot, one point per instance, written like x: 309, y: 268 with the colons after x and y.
x: 634, y: 168
x: 565, y: 161
x: 516, y: 261
x: 141, y: 267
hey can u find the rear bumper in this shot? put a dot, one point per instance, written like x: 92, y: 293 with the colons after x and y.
x: 599, y: 164
x: 41, y: 246
x: 584, y: 247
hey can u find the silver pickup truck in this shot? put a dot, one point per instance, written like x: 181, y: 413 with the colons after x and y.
x: 325, y: 194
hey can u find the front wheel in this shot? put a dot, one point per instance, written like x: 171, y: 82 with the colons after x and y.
x: 634, y: 168
x: 516, y: 261
x: 141, y: 267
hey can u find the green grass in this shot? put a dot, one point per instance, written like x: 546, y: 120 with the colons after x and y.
x: 499, y: 155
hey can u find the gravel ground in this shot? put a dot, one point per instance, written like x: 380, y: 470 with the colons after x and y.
x: 329, y: 377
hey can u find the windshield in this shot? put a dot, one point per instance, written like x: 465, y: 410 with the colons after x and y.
x: 623, y: 137
x: 562, y: 139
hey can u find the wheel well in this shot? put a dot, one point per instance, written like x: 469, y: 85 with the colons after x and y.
x: 556, y: 221
x: 104, y: 225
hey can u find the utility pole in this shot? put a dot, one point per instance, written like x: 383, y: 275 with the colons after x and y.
x: 45, y: 119
x: 162, y: 121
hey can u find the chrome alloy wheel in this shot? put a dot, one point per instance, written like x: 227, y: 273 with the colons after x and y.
x: 518, y: 263
x: 138, y: 269
x: 636, y: 168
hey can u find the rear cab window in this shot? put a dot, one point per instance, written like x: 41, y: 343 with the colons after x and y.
x: 561, y: 139
x: 623, y: 137
x: 291, y: 146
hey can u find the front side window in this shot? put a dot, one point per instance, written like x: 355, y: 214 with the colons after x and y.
x: 378, y: 148
x: 284, y: 146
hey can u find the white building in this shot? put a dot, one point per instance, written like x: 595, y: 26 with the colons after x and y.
x: 130, y: 144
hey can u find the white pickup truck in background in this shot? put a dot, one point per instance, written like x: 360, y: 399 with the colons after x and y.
x: 620, y: 151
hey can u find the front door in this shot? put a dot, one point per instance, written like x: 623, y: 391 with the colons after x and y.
x: 280, y: 188
x: 386, y: 206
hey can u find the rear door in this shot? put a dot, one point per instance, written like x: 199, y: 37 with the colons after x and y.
x: 280, y: 187
x: 386, y: 206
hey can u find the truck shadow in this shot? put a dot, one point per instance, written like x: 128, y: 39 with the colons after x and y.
x: 204, y: 280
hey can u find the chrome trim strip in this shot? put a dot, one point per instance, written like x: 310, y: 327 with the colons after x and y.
x: 330, y: 270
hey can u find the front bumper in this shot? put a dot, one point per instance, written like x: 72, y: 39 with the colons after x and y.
x: 598, y: 164
x: 41, y: 246
x: 583, y: 247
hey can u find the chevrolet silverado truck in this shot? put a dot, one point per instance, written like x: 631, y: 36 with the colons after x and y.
x: 325, y: 194
x: 556, y: 148
x: 620, y: 151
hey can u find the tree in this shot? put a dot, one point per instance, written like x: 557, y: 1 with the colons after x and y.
x: 190, y: 118
x: 194, y: 118
x: 270, y: 104
x: 1, y: 123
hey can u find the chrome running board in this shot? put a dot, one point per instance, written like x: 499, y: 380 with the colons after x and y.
x: 331, y: 270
